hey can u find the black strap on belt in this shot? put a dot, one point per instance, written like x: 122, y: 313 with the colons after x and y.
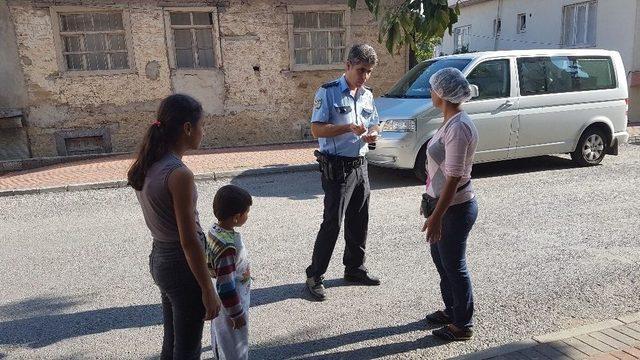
x: 464, y: 186
x: 352, y: 162
x: 348, y: 162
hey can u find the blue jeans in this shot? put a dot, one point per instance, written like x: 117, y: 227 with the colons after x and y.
x: 449, y: 256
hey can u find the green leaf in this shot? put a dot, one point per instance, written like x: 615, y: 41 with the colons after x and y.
x: 412, y: 22
x: 391, y: 34
x: 407, y: 23
x: 443, y: 16
x: 427, y: 7
x: 397, y: 36
x: 373, y: 6
x: 352, y: 3
x: 411, y: 41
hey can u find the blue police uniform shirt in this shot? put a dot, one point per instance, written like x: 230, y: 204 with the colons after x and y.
x: 334, y: 104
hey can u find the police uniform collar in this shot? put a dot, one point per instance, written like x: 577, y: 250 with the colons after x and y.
x: 342, y: 82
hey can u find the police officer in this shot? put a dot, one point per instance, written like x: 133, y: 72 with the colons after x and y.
x: 345, y: 121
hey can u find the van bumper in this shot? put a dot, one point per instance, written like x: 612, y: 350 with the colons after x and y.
x: 616, y: 140
x: 394, y: 150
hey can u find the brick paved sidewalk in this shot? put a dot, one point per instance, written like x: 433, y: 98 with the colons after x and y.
x: 203, y: 162
x: 113, y: 169
x: 613, y: 339
x: 634, y: 133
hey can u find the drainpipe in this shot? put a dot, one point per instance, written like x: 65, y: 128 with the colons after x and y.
x: 498, y: 16
x: 636, y: 40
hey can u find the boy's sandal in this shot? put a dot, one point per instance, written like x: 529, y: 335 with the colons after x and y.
x: 445, y: 333
x: 438, y: 317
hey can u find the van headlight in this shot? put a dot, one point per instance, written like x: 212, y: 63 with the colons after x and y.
x: 399, y: 125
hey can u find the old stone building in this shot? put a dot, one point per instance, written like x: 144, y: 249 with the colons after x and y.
x: 86, y: 76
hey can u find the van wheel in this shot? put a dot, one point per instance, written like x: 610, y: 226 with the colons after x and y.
x: 420, y: 168
x: 590, y: 149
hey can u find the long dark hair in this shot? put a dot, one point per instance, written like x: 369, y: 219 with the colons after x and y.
x: 174, y: 111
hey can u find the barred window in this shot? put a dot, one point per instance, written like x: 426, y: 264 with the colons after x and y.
x: 579, y: 24
x: 319, y: 38
x: 522, y: 23
x: 93, y: 41
x: 462, y: 38
x: 193, y: 39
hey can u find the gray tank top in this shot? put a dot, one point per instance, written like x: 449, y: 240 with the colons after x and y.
x: 157, y: 204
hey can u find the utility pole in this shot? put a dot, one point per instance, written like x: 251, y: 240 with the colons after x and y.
x: 498, y: 19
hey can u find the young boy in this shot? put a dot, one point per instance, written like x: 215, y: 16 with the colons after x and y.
x: 227, y: 259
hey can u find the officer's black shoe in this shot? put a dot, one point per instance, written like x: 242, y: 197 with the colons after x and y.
x: 316, y: 288
x: 361, y: 277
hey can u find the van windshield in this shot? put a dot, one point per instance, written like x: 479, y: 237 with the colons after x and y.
x: 415, y: 83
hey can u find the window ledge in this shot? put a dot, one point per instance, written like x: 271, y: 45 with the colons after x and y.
x: 84, y: 73
x: 318, y: 67
x: 195, y: 70
x: 589, y: 46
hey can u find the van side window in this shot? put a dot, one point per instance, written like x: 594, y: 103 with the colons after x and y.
x: 492, y: 78
x: 559, y: 74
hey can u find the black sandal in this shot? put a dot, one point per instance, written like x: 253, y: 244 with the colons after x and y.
x: 438, y: 317
x: 445, y: 333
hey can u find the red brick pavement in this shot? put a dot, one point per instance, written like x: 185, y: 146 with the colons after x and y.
x: 201, y: 162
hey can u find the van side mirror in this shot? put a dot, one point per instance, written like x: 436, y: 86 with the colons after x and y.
x: 475, y: 92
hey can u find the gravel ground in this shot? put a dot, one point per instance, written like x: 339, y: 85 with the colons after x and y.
x: 554, y: 247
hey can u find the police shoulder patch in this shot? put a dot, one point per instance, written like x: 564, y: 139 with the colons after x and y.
x: 330, y: 84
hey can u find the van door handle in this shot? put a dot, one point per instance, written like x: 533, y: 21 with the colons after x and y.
x: 505, y: 105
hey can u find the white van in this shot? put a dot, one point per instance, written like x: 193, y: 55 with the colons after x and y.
x: 528, y: 103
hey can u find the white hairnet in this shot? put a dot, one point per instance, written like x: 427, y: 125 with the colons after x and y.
x: 451, y: 85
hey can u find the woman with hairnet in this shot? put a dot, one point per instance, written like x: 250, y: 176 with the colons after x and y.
x: 449, y: 204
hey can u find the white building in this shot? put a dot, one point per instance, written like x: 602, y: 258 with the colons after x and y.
x: 536, y: 24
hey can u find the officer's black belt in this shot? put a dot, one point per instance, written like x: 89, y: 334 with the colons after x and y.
x: 347, y: 162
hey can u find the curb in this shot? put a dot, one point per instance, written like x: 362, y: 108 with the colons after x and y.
x: 580, y: 330
x: 198, y: 177
x: 547, y: 338
x: 500, y: 350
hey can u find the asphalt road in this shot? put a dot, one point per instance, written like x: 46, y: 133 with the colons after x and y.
x: 554, y: 247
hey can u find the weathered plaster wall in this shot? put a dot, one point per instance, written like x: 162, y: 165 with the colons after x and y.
x: 123, y: 103
x: 270, y: 104
x: 274, y: 104
x: 12, y: 89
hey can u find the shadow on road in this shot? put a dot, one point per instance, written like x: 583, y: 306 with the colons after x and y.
x: 42, y: 327
x: 306, y: 185
x: 307, y: 348
x: 522, y: 166
x: 274, y: 294
x: 39, y: 306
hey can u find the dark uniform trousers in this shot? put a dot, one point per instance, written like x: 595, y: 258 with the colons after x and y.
x: 348, y: 199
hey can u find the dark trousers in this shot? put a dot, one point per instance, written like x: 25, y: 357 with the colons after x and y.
x: 348, y: 200
x: 182, y: 307
x: 449, y: 256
